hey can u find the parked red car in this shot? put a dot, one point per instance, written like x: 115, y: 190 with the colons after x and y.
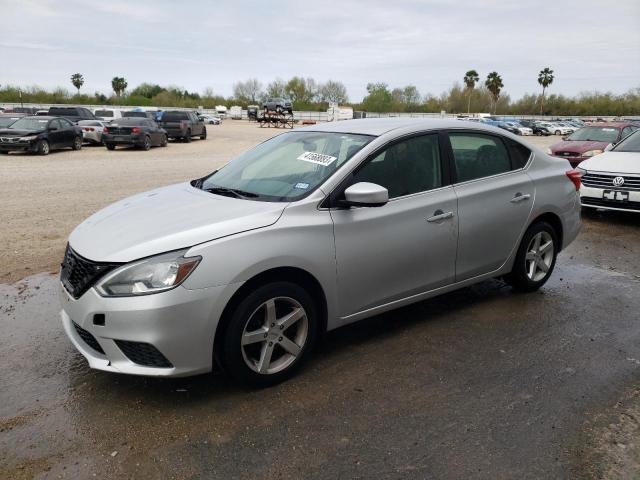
x: 590, y: 141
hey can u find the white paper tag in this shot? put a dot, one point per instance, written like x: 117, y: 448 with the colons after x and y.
x: 318, y: 158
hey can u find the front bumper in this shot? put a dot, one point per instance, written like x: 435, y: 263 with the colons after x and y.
x: 17, y: 147
x: 180, y: 324
x: 592, y: 197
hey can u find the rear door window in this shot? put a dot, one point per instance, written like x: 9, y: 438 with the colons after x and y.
x: 477, y: 155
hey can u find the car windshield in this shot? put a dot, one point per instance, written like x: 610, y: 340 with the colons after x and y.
x: 6, y: 121
x: 285, y: 168
x: 103, y: 113
x: 596, y: 134
x: 174, y: 116
x: 629, y: 144
x: 30, y: 123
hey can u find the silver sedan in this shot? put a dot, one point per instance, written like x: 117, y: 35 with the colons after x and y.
x: 309, y: 231
x: 92, y: 130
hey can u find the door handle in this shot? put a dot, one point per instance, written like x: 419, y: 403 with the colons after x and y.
x: 439, y: 215
x: 519, y: 197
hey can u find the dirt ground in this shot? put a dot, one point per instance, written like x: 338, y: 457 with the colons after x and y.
x: 43, y: 198
x: 479, y: 383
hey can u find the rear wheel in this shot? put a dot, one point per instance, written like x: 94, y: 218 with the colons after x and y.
x: 535, y: 259
x: 110, y: 146
x: 42, y: 147
x: 270, y: 334
x: 77, y: 143
x: 558, y: 132
x: 147, y: 143
x: 204, y: 134
x: 187, y: 137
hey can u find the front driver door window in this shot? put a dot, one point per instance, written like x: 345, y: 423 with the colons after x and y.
x: 385, y: 254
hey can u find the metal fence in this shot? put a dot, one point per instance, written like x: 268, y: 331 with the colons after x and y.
x: 318, y: 116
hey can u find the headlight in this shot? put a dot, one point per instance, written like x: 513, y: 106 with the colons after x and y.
x: 549, y: 152
x: 591, y: 153
x: 151, y: 275
x: 28, y: 138
x: 581, y: 171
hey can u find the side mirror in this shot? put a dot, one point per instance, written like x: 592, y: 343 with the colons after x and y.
x: 365, y: 194
x: 609, y: 147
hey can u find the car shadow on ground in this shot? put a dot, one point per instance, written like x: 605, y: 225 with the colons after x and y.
x: 612, y: 217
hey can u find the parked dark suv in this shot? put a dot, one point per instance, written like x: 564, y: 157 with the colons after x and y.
x: 183, y: 124
x: 73, y: 114
x: 279, y: 105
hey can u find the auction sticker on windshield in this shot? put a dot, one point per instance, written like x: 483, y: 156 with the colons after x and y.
x: 319, y: 158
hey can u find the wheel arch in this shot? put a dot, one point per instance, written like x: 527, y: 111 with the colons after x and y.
x: 555, y: 222
x: 292, y: 274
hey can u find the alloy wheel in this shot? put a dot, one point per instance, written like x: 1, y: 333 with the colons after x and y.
x: 539, y: 256
x: 274, y: 335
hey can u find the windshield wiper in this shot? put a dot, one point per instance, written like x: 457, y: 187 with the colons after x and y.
x: 231, y: 192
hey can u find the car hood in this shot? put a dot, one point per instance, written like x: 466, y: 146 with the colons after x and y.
x: 7, y: 132
x: 614, y: 162
x: 577, y: 146
x: 165, y: 219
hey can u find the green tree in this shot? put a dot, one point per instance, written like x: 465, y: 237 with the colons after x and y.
x: 148, y: 90
x: 248, y: 92
x: 77, y: 80
x: 119, y: 85
x: 301, y: 91
x: 378, y: 98
x: 545, y: 78
x: 494, y: 85
x: 470, y: 79
x: 275, y: 89
x: 333, y: 91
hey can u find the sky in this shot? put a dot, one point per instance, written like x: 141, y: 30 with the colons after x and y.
x: 590, y: 45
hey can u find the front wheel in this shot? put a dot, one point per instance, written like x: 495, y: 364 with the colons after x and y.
x: 42, y: 148
x: 164, y: 141
x: 535, y: 259
x: 77, y: 143
x: 204, y: 134
x: 557, y: 132
x: 270, y: 334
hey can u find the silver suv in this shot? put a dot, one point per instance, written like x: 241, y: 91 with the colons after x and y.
x: 306, y: 232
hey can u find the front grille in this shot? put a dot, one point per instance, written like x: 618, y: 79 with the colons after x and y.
x: 79, y: 274
x: 143, y: 354
x: 600, y: 202
x: 88, y: 338
x: 598, y: 180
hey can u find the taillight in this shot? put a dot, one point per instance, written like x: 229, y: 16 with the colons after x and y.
x: 135, y: 130
x: 105, y: 130
x: 575, y: 176
x: 88, y: 129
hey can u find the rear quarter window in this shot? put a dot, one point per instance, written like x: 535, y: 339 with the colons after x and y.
x: 518, y: 152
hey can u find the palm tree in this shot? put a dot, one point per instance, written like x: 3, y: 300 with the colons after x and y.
x: 470, y: 79
x: 119, y: 85
x: 494, y: 85
x: 78, y: 80
x: 545, y: 78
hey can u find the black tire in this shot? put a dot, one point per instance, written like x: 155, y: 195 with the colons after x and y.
x: 42, y: 147
x: 204, y: 134
x: 232, y: 356
x: 187, y: 137
x: 558, y: 132
x: 110, y: 146
x: 146, y: 145
x: 77, y: 143
x: 164, y: 141
x: 519, y: 278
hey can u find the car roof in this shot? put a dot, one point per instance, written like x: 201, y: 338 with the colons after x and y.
x: 43, y: 117
x: 380, y: 126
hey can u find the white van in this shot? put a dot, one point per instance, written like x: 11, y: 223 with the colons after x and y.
x: 107, y: 114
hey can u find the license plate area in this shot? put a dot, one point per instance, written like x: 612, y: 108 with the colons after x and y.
x: 615, y: 196
x: 120, y: 139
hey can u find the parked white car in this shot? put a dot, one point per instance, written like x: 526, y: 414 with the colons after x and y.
x: 92, y: 130
x: 107, y: 114
x: 521, y: 128
x: 611, y: 180
x: 210, y: 119
x: 556, y: 129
